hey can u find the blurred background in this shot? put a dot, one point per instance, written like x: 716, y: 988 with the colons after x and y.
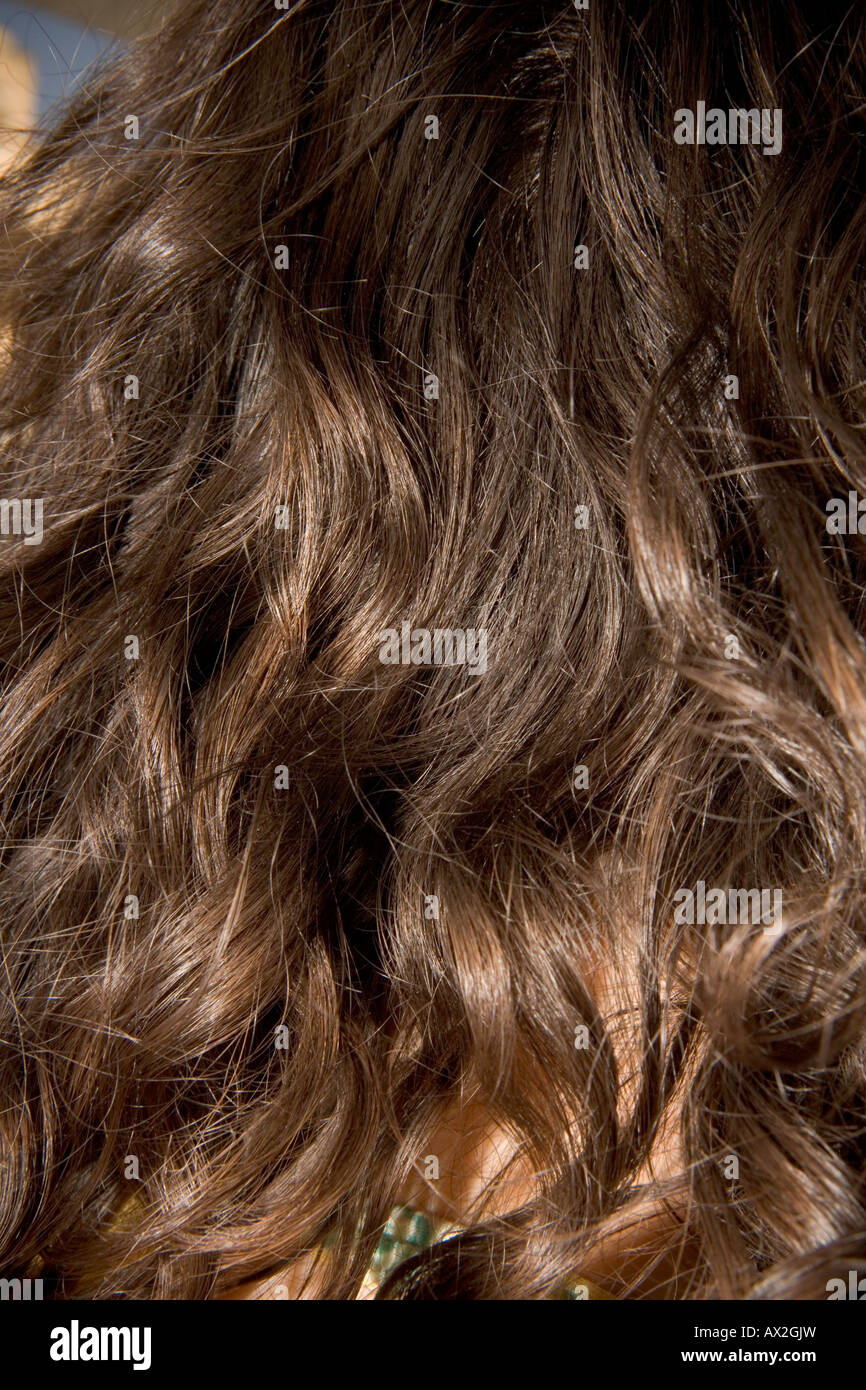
x: 46, y: 49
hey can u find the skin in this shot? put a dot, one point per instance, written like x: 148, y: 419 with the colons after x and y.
x: 477, y: 1175
x: 17, y: 97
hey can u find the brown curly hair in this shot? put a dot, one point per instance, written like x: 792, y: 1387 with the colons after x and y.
x: 324, y: 319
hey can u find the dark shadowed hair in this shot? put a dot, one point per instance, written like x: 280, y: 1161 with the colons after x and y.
x: 226, y: 819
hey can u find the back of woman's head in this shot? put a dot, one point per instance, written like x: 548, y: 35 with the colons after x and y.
x: 418, y: 600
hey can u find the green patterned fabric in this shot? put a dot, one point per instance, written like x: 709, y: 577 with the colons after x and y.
x: 408, y: 1231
